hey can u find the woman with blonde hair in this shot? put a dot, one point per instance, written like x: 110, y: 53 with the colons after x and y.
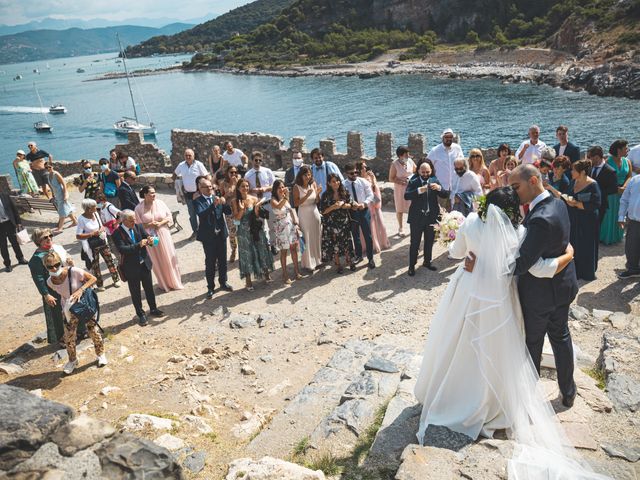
x: 477, y: 166
x: 70, y: 283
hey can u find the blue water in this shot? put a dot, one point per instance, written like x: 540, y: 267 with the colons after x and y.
x: 485, y: 112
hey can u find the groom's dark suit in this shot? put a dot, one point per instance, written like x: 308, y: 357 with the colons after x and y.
x: 545, y: 301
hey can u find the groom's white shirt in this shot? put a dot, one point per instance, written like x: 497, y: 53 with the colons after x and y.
x: 538, y: 199
x: 543, y: 268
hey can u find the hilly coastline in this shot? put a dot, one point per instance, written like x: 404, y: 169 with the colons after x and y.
x: 599, y: 40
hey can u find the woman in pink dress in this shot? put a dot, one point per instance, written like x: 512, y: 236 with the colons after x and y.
x: 400, y: 172
x: 378, y: 232
x: 155, y: 216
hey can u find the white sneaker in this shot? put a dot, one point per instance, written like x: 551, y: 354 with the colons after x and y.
x: 100, y: 289
x: 70, y: 367
x: 116, y: 284
x: 102, y: 360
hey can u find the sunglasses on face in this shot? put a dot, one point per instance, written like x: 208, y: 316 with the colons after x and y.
x: 46, y: 237
x: 257, y: 161
x: 54, y: 266
x: 475, y: 156
x: 351, y: 173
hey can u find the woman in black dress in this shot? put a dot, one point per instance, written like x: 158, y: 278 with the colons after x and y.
x: 584, y: 199
x: 335, y: 205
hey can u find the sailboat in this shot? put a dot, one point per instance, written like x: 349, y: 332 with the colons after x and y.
x: 42, y: 125
x: 128, y: 124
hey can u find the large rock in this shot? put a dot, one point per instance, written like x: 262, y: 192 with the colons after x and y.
x: 47, y: 463
x: 140, y: 421
x: 619, y: 358
x: 80, y: 433
x: 419, y: 463
x: 239, y: 320
x: 26, y: 423
x: 269, y: 468
x: 126, y: 457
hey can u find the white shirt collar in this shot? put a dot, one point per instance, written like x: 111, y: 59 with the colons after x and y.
x: 538, y: 199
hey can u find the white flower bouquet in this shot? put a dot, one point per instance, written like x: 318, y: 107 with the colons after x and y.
x: 447, y: 228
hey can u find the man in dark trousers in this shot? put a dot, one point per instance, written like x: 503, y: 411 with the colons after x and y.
x: 9, y: 224
x: 545, y: 301
x: 423, y: 190
x: 606, y: 177
x: 126, y: 194
x: 132, y: 242
x: 212, y: 233
x: 361, y: 197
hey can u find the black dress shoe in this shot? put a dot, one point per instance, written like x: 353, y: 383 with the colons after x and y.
x: 209, y: 294
x: 371, y: 264
x: 142, y: 320
x: 412, y: 271
x: 23, y: 261
x: 156, y: 313
x: 429, y: 266
x: 226, y: 287
x: 568, y: 401
x: 8, y: 268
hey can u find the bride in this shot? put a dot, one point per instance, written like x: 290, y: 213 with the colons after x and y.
x: 477, y: 375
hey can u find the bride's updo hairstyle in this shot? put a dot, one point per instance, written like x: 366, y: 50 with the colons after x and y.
x: 506, y: 199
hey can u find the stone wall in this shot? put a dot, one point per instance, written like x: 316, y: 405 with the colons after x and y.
x: 278, y: 156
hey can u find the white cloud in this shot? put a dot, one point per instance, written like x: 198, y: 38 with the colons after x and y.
x: 21, y: 11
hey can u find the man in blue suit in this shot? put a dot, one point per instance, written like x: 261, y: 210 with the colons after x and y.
x: 545, y: 301
x: 213, y: 233
x: 564, y: 146
x: 423, y: 190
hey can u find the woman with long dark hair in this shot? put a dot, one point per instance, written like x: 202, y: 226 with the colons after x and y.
x: 335, y: 205
x: 285, y: 229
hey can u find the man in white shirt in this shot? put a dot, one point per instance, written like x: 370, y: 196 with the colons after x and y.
x: 260, y: 182
x: 530, y: 150
x: 630, y: 210
x: 189, y: 170
x: 235, y: 157
x: 634, y: 158
x: 466, y: 186
x: 362, y: 197
x: 442, y: 156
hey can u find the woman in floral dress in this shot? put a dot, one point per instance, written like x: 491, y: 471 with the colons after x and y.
x: 335, y: 205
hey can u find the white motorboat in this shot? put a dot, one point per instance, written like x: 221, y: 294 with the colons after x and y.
x: 128, y: 124
x: 57, y: 109
x: 42, y: 126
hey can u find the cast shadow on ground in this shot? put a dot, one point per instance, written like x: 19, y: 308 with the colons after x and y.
x: 614, y: 297
x: 45, y: 380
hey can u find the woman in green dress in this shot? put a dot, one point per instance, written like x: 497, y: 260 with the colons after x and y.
x: 610, y: 231
x: 253, y: 247
x: 43, y: 238
x: 23, y: 172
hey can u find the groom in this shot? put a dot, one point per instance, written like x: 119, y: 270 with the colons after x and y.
x: 545, y: 301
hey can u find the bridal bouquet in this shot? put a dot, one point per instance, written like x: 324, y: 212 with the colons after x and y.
x: 448, y: 226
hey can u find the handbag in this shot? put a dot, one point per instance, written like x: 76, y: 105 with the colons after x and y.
x: 87, y: 307
x: 23, y: 237
x: 99, y: 241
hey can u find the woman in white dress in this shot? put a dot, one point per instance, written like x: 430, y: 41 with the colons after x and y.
x: 476, y: 375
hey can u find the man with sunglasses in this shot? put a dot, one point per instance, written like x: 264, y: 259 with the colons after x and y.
x: 361, y: 196
x: 260, y: 182
x: 9, y: 224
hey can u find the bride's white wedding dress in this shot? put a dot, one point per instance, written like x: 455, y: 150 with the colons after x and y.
x: 476, y: 375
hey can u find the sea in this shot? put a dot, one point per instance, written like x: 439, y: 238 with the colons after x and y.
x: 484, y: 112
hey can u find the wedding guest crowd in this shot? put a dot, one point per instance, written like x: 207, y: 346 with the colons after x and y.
x: 315, y: 217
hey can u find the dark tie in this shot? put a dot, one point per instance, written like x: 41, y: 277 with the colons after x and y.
x: 258, y: 184
x: 596, y: 170
x: 353, y: 189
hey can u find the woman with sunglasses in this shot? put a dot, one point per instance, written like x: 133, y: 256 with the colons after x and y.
x: 43, y: 239
x: 477, y: 166
x: 227, y: 188
x: 60, y: 198
x: 70, y: 283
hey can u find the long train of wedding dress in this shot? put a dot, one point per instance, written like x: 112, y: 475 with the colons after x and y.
x: 477, y: 375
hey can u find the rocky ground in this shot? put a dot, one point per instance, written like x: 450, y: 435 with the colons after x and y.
x: 319, y: 372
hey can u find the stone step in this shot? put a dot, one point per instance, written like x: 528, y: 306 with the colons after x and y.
x: 338, y: 433
x: 312, y: 403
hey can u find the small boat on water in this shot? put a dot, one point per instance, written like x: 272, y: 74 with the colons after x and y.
x: 18, y: 77
x: 128, y: 124
x: 35, y: 70
x: 42, y: 126
x: 57, y: 109
x: 80, y: 70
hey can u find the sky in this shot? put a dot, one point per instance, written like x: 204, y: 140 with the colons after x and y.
x: 13, y: 12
